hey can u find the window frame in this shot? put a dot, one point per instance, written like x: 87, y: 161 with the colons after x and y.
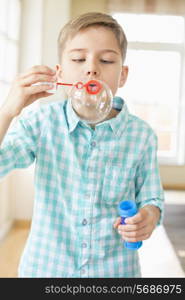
x: 16, y: 43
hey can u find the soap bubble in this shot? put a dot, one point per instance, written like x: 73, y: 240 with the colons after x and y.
x: 91, y: 101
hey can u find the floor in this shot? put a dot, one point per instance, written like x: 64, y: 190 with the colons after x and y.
x: 10, y: 251
x: 174, y: 222
x: 163, y: 255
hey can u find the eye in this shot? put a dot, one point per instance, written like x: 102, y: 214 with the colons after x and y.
x: 105, y: 61
x: 78, y: 59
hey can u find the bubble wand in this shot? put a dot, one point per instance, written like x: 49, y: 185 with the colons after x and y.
x: 93, y: 87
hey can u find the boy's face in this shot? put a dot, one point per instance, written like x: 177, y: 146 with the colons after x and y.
x: 93, y: 53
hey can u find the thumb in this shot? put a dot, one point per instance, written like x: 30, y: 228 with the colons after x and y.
x: 117, y: 222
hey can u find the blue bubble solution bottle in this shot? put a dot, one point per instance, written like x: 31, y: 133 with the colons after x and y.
x: 128, y: 209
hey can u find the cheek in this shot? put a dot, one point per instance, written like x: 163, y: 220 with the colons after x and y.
x: 68, y: 73
x: 114, y: 83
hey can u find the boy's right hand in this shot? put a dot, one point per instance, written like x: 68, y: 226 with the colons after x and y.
x: 22, y: 93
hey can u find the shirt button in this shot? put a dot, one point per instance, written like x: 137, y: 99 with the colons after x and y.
x: 84, y: 245
x: 84, y: 222
x: 93, y: 144
x: 87, y: 195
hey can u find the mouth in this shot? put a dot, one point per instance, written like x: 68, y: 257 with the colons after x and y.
x: 93, y: 87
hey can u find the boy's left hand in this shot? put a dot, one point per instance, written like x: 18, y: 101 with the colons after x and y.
x: 140, y: 226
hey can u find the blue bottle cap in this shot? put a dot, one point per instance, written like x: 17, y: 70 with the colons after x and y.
x: 127, y: 208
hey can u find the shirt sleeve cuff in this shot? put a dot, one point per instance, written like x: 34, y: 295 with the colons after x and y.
x: 155, y: 202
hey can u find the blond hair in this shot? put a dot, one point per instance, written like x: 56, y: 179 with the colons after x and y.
x: 88, y: 20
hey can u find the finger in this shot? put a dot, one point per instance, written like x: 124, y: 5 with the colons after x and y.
x: 135, y: 219
x: 43, y: 94
x: 38, y: 89
x: 136, y: 239
x: 132, y: 227
x: 39, y: 69
x: 34, y: 78
x: 117, y: 222
x: 133, y: 234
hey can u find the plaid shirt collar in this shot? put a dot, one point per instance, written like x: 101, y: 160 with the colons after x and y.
x: 117, y: 124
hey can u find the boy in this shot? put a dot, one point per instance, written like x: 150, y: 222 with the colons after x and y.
x: 82, y: 173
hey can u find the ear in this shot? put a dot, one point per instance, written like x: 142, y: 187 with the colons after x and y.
x: 124, y: 75
x: 58, y: 72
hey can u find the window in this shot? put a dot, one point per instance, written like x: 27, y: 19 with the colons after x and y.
x: 154, y: 89
x: 9, y: 43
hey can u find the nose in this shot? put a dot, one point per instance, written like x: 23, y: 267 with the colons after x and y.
x: 92, y: 70
x: 93, y: 73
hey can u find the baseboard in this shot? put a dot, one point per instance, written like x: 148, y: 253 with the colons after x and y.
x: 177, y: 187
x: 19, y: 223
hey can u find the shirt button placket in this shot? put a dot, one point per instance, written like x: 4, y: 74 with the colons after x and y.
x: 85, y: 260
x: 84, y: 245
x: 93, y: 144
x: 84, y: 222
x: 84, y: 249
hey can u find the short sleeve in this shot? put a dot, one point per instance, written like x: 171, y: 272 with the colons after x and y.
x: 148, y: 185
x: 18, y: 149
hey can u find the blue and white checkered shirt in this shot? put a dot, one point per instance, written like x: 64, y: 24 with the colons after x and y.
x: 81, y: 175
